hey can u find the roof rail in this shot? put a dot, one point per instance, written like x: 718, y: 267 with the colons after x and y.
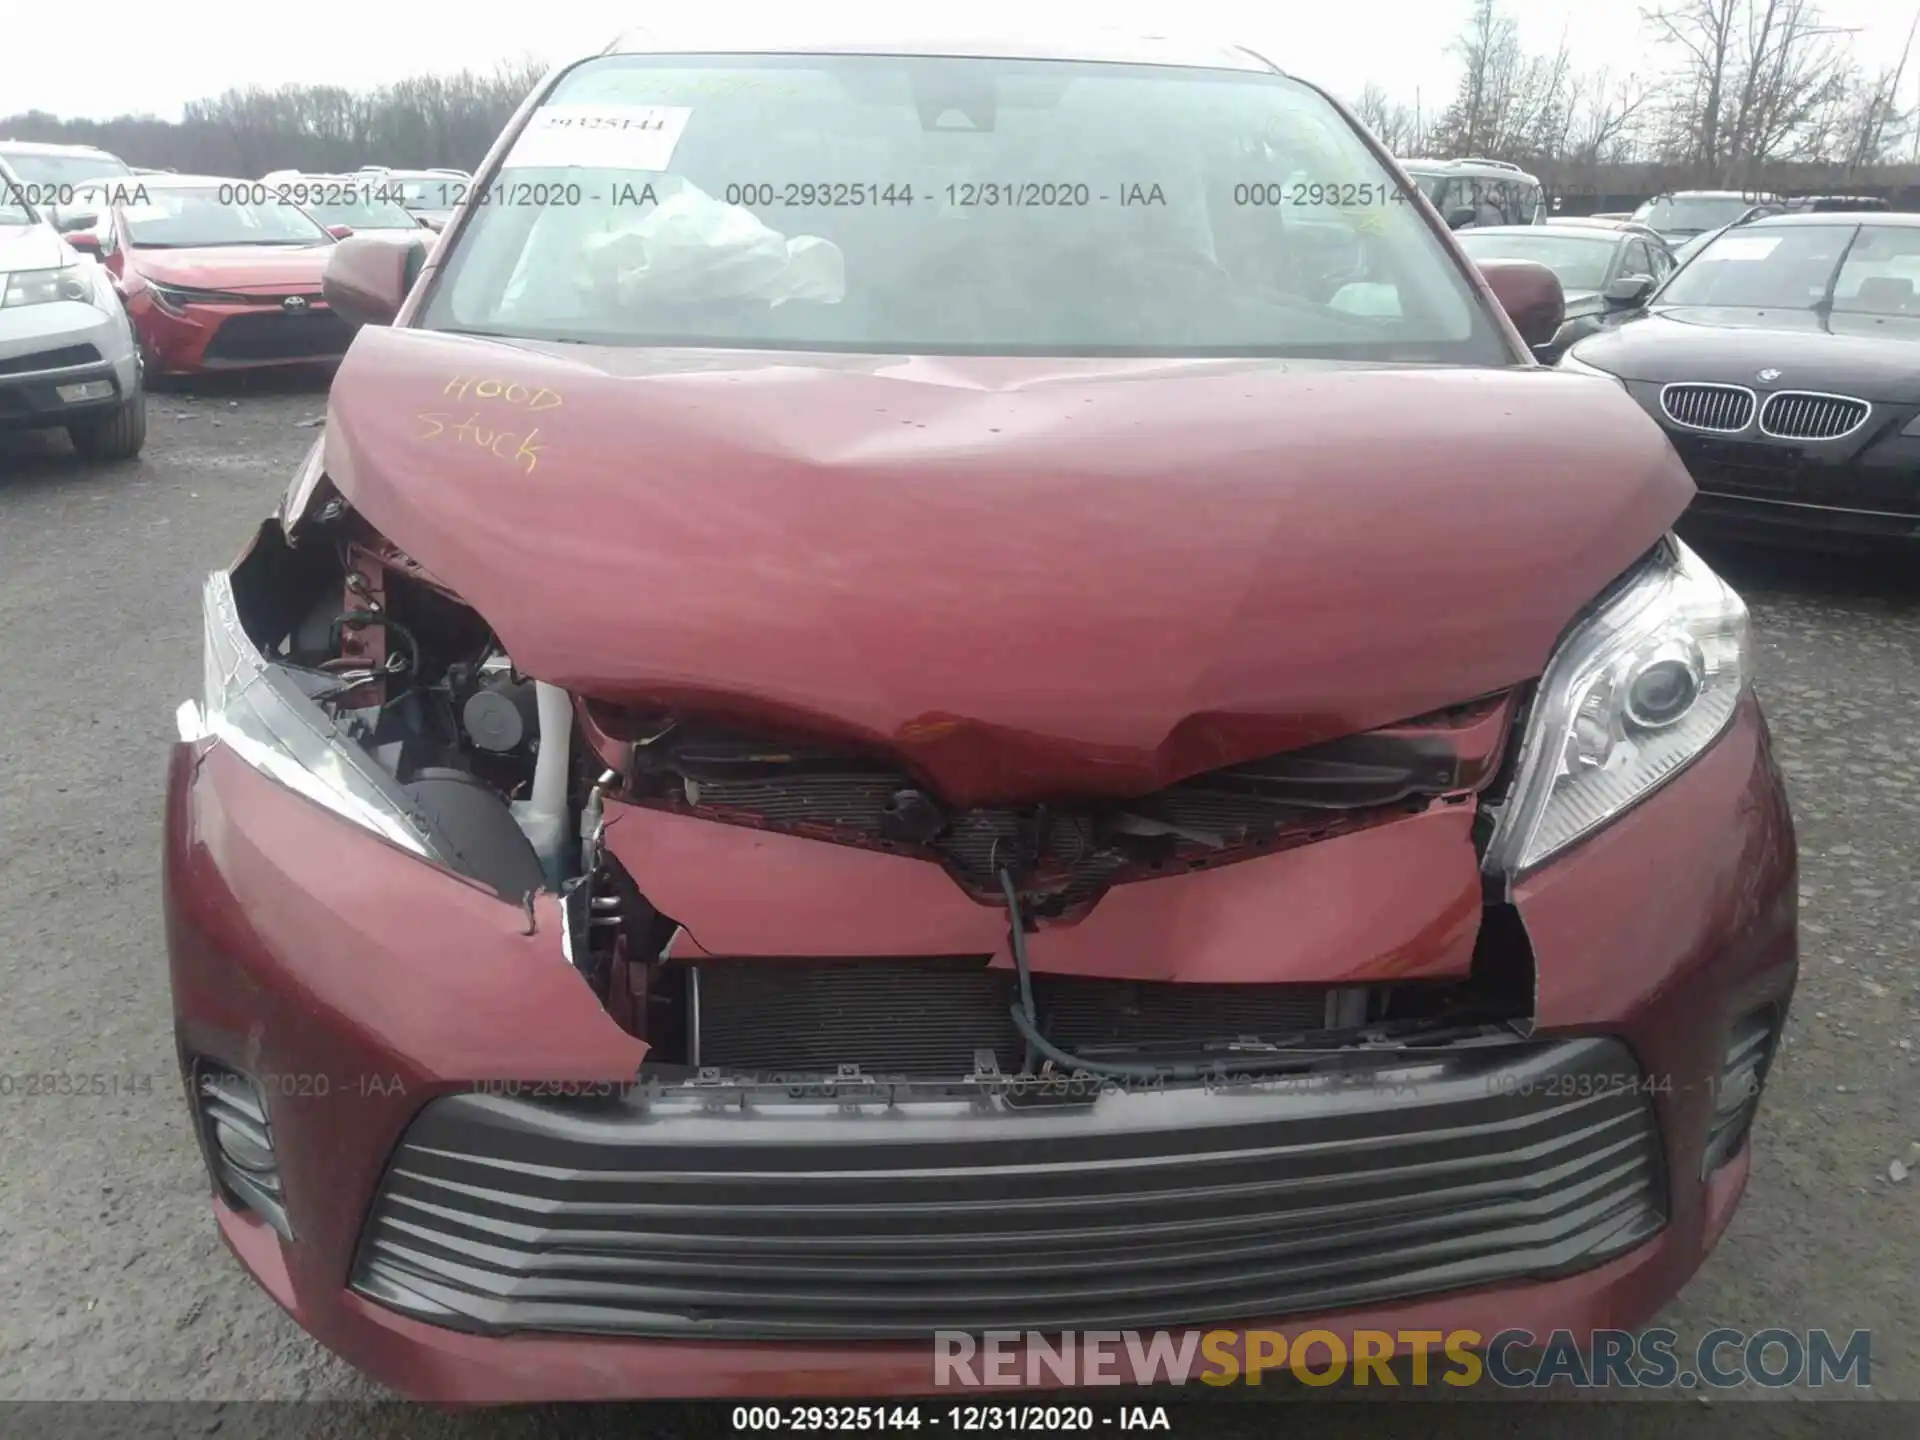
x: 1481, y: 160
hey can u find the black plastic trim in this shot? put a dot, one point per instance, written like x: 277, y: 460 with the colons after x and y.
x: 767, y: 1215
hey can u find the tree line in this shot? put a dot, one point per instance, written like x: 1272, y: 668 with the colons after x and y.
x: 423, y: 122
x: 1759, y: 94
x: 1739, y: 94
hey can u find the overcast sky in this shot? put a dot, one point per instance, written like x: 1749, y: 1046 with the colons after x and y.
x: 194, y: 48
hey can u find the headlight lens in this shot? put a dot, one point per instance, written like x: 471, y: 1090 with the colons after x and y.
x: 43, y: 287
x: 1629, y: 698
x: 256, y: 710
x: 168, y: 298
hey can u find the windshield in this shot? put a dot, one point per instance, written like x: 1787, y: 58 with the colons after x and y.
x: 58, y: 172
x: 1667, y: 214
x: 238, y: 214
x: 966, y: 206
x: 1580, y: 261
x: 361, y: 204
x: 1789, y: 268
x: 1880, y: 272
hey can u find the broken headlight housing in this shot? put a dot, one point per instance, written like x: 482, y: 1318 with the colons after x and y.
x: 1631, y: 696
x: 256, y: 710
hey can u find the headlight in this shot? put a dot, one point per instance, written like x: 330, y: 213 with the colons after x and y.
x: 175, y: 301
x: 1567, y: 362
x: 1628, y: 699
x: 43, y: 287
x: 256, y: 710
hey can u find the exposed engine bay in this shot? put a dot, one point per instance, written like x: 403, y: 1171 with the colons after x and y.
x: 508, y: 781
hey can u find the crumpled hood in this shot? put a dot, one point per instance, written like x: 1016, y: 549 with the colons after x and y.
x: 238, y: 267
x: 1021, y: 577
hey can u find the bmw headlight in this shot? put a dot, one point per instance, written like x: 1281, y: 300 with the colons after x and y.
x: 1630, y: 698
x: 43, y: 287
x: 257, y: 711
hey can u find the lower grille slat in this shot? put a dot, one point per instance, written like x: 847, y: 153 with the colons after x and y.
x: 800, y: 1218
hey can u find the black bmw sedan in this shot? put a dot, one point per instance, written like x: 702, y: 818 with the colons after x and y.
x: 1784, y: 363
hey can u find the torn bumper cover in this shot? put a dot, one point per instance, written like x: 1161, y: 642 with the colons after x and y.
x: 484, y: 1208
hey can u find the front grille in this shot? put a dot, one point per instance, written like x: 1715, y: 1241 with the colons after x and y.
x: 63, y: 358
x: 316, y: 335
x: 928, y: 1018
x: 1740, y: 467
x: 781, y: 1216
x: 1723, y: 408
x: 1801, y: 415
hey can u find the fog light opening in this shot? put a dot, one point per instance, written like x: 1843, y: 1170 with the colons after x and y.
x: 230, y: 1112
x: 1736, y: 1095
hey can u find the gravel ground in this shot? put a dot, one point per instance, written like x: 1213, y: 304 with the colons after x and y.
x: 113, y: 1285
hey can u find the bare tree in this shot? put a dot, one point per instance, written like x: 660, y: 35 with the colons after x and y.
x: 1393, y: 124
x: 1874, y: 123
x: 1755, y: 82
x: 1508, y: 103
x: 1607, y: 117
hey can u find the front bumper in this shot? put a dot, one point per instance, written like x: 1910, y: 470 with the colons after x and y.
x: 1860, y: 491
x: 206, y: 337
x: 369, y: 995
x: 45, y: 349
x: 1790, y: 522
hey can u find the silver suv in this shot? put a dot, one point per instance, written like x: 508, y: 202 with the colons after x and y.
x: 1468, y: 193
x: 68, y: 358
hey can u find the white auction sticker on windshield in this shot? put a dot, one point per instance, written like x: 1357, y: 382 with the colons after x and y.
x: 600, y: 137
x: 1745, y: 247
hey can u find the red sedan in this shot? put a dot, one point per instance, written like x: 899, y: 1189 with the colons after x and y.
x: 216, y: 274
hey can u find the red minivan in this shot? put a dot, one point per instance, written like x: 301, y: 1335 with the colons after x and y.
x: 893, y: 705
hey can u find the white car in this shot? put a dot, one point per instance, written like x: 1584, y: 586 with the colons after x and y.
x: 68, y: 358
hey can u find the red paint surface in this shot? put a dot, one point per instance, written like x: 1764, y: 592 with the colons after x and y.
x: 175, y: 344
x: 1399, y: 901
x: 1023, y: 577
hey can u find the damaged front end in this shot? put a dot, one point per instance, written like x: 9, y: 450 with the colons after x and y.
x: 749, y: 903
x: 1258, y: 1042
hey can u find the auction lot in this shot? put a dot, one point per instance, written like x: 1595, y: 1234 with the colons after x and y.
x: 113, y: 1284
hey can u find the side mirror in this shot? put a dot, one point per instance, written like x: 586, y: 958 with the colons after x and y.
x: 85, y: 241
x: 368, y: 277
x: 1628, y: 291
x: 1531, y: 295
x: 339, y: 232
x: 1461, y: 216
x: 70, y: 220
